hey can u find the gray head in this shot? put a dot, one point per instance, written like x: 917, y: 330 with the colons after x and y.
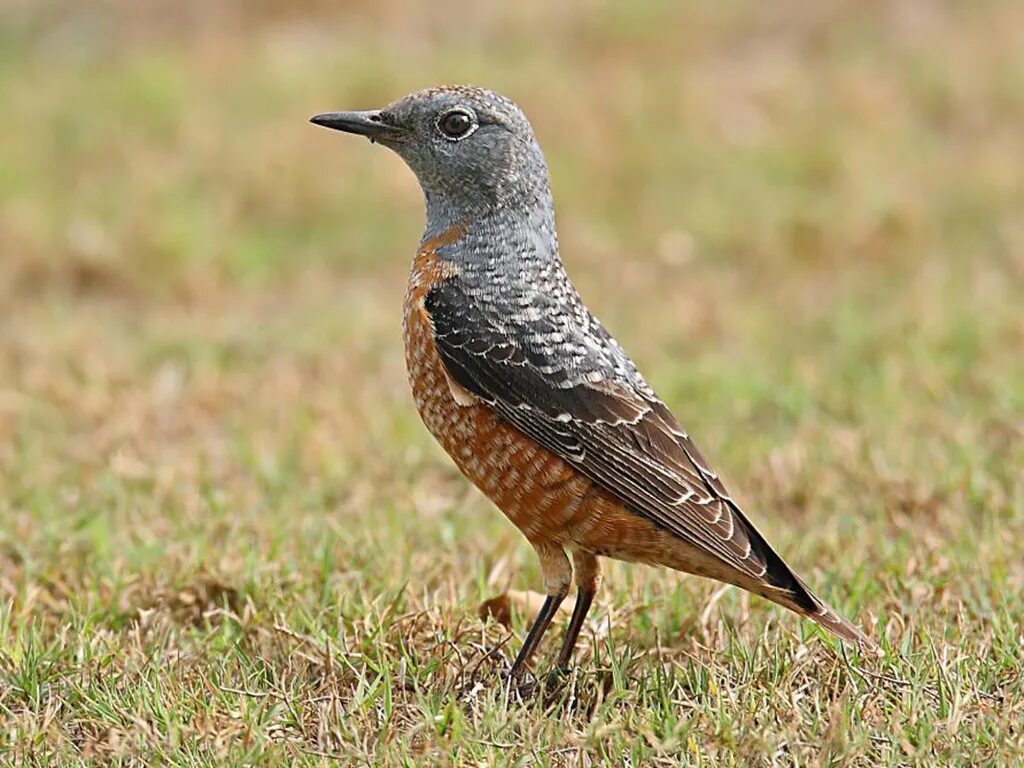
x: 472, y: 150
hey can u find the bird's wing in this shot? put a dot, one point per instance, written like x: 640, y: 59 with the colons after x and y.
x: 558, y: 389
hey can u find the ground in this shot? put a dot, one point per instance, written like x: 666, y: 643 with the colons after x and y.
x: 227, y: 540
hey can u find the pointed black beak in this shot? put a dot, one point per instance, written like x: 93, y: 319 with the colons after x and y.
x: 369, y: 123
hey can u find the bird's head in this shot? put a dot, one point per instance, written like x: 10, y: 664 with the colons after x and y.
x: 472, y: 150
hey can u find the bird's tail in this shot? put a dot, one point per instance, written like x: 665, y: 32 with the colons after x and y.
x: 781, y: 585
x: 800, y: 598
x: 827, y: 617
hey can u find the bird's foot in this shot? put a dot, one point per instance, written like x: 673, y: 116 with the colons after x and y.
x: 525, y: 685
x: 520, y: 682
x: 557, y: 678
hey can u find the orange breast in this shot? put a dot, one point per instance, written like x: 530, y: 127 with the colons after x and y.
x: 545, y: 497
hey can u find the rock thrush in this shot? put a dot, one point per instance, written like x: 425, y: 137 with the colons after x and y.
x: 529, y: 394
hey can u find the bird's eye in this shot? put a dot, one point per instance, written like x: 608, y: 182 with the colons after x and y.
x: 456, y: 124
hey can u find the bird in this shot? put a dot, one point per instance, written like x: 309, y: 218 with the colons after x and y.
x: 529, y: 394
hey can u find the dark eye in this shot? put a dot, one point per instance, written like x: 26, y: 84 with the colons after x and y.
x: 455, y: 124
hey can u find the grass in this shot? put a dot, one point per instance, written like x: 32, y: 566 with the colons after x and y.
x: 226, y: 538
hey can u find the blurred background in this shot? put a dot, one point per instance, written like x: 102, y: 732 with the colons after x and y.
x: 805, y: 221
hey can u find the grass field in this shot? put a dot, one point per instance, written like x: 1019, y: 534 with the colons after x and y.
x: 225, y: 538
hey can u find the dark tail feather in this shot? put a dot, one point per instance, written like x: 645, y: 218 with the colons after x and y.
x: 784, y: 587
x: 827, y: 617
x: 798, y: 597
x: 779, y: 584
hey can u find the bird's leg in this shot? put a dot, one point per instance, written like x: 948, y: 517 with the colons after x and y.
x: 588, y: 578
x: 557, y: 575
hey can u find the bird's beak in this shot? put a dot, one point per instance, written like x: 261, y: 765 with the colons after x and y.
x: 369, y: 123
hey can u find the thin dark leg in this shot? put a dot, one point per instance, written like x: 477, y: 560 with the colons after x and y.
x: 540, y: 625
x: 584, y: 597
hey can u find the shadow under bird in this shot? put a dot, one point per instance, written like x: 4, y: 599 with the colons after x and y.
x: 529, y: 394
